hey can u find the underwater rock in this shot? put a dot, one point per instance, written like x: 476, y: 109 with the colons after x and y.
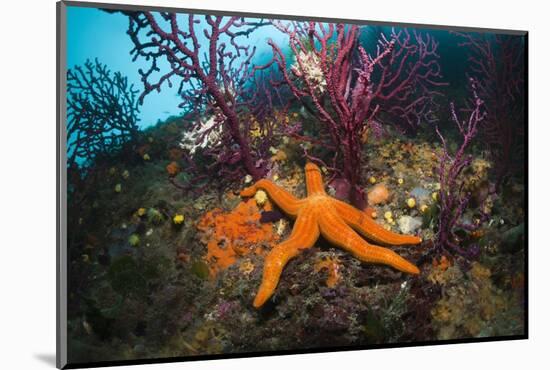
x: 409, y: 224
x: 139, y: 349
x: 379, y: 195
x: 421, y: 195
x: 229, y: 200
x: 476, y: 174
x: 125, y: 277
x: 512, y: 239
x: 443, y: 273
x: 481, y: 193
x: 279, y: 156
x: 474, y: 307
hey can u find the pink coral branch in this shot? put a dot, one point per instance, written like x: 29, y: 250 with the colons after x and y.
x: 352, y: 87
x: 452, y: 198
x: 212, y: 77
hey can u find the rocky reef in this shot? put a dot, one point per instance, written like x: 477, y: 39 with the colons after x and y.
x: 145, y: 285
x: 167, y: 252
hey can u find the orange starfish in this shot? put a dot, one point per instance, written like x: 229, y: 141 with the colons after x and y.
x: 320, y: 214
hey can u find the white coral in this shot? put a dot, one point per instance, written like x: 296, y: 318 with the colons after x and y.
x: 205, y: 134
x: 309, y: 65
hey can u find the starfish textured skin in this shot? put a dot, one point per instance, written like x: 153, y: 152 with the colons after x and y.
x: 338, y: 222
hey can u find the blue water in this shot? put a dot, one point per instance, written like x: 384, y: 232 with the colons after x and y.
x: 93, y: 33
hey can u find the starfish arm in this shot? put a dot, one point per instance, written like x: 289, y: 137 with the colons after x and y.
x: 314, y: 180
x: 282, y: 198
x: 304, y: 235
x: 366, y: 226
x: 335, y: 230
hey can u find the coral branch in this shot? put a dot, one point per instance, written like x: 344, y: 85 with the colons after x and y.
x: 205, y: 55
x: 101, y: 112
x: 346, y: 88
x: 453, y: 198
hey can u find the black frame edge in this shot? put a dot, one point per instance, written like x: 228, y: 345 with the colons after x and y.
x: 526, y: 181
x: 151, y: 361
x: 137, y: 7
x: 61, y: 254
